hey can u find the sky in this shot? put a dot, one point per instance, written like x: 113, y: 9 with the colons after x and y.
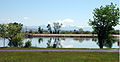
x: 42, y: 12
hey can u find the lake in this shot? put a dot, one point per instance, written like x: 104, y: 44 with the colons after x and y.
x: 67, y: 42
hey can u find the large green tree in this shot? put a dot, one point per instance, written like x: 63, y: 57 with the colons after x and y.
x: 14, y: 34
x: 104, y: 20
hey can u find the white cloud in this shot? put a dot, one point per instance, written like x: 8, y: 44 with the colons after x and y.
x: 26, y: 18
x: 49, y: 22
x: 68, y: 21
x: 65, y: 21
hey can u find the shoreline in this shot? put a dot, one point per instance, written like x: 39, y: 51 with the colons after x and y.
x: 68, y: 35
x: 63, y: 35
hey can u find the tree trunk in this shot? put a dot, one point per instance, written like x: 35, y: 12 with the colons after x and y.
x: 100, y: 40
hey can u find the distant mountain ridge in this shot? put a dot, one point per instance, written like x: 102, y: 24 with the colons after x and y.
x: 66, y: 28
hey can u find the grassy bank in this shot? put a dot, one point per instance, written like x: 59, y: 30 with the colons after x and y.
x: 17, y: 48
x: 58, y: 57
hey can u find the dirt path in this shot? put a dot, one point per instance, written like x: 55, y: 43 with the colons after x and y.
x: 61, y: 50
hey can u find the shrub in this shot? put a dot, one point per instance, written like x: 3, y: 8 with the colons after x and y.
x: 20, y: 44
x: 28, y: 44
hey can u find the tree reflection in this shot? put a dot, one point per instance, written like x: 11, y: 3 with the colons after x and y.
x: 81, y: 39
x: 94, y: 39
x: 55, y: 44
x: 108, y: 43
x: 49, y: 42
x: 40, y: 40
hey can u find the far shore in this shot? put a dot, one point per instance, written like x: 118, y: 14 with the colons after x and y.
x: 68, y: 35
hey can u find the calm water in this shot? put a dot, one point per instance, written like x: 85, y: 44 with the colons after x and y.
x: 65, y: 43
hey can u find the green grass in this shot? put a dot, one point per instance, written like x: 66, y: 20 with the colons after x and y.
x: 17, y: 48
x: 58, y: 57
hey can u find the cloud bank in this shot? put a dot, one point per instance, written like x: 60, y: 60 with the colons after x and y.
x: 65, y: 21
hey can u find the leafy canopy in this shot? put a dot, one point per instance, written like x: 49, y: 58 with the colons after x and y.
x: 105, y: 18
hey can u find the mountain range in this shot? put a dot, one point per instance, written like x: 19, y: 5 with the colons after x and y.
x: 66, y: 28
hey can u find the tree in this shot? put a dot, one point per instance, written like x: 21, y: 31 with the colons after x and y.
x: 104, y: 19
x: 3, y: 32
x: 14, y: 34
x: 49, y: 28
x: 40, y: 30
x: 57, y: 26
x: 80, y: 29
x: 30, y: 31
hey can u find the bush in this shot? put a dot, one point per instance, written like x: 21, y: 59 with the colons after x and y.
x: 28, y: 44
x: 20, y: 44
x: 17, y: 40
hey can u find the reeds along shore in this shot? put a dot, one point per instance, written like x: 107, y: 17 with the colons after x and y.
x: 67, y: 35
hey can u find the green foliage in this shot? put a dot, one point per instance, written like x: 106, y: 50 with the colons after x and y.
x: 40, y: 30
x: 75, y: 32
x: 14, y: 28
x: 31, y: 31
x: 17, y: 40
x: 12, y: 32
x: 49, y: 28
x: 28, y: 44
x: 115, y: 32
x: 20, y: 44
x: 57, y: 26
x: 104, y: 19
x: 80, y: 29
x: 3, y: 30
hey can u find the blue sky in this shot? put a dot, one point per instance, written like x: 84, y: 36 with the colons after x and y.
x: 42, y: 12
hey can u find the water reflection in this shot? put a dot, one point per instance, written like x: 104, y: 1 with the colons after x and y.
x: 81, y: 39
x: 40, y: 40
x: 107, y: 43
x: 56, y: 43
x: 61, y: 42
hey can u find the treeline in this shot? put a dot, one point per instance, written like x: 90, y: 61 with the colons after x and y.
x: 79, y: 31
x: 55, y: 29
